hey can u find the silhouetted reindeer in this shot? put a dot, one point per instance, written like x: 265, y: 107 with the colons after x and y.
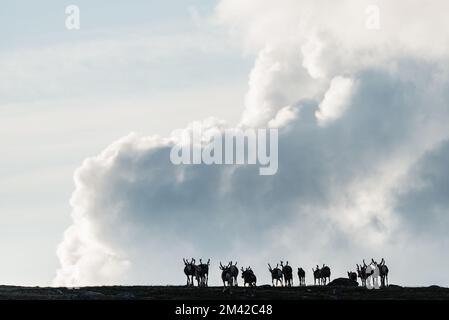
x: 352, y: 275
x: 316, y: 275
x: 248, y: 277
x: 234, y: 272
x: 361, y: 273
x: 368, y: 271
x: 226, y: 276
x: 325, y: 274
x: 287, y: 272
x: 202, y: 273
x: 383, y: 272
x: 189, y: 270
x: 372, y: 270
x: 364, y: 271
x: 276, y: 274
x: 302, y: 277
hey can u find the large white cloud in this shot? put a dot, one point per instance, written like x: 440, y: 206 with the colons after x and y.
x: 357, y: 186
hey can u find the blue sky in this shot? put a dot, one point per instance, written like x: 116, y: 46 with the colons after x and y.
x: 66, y: 95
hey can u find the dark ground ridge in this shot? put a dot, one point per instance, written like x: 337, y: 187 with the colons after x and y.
x: 265, y: 292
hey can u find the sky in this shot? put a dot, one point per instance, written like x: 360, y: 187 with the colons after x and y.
x: 358, y: 90
x: 67, y: 94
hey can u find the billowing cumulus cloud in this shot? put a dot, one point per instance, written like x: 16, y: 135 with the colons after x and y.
x: 362, y: 117
x: 335, y: 100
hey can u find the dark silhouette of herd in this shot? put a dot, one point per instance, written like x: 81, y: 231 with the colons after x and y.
x: 364, y: 271
x: 281, y: 275
x: 200, y: 272
x: 321, y: 275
